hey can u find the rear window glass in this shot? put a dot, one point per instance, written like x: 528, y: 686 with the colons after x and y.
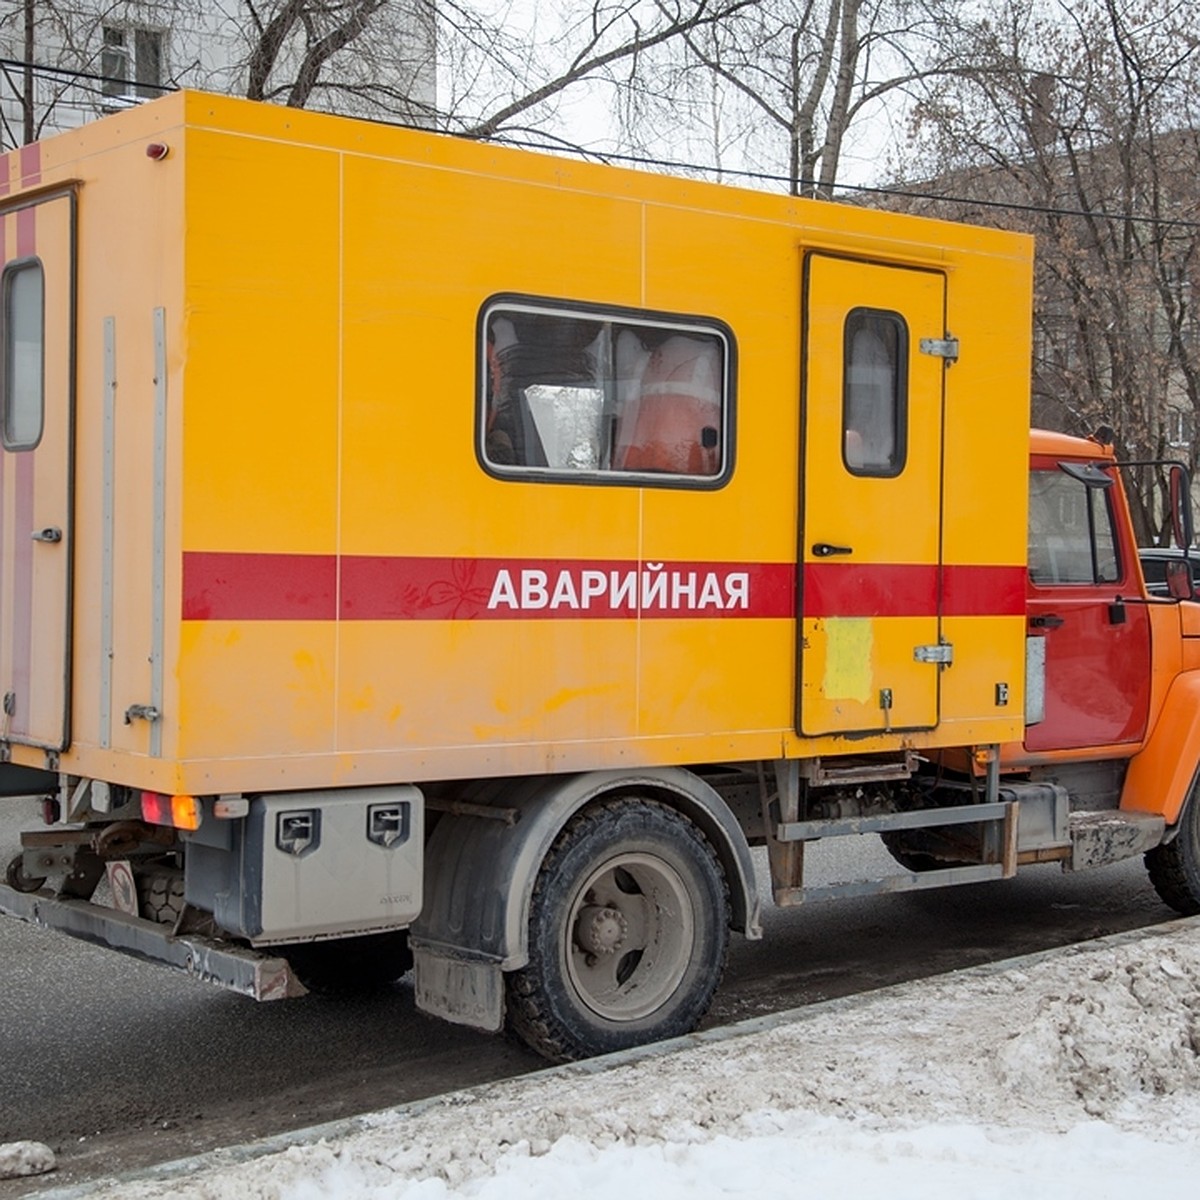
x: 875, y: 392
x: 22, y: 381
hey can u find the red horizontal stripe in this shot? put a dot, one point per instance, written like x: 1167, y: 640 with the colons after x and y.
x: 843, y: 589
x: 984, y: 591
x: 850, y: 589
x: 322, y: 587
x: 259, y: 587
x: 224, y: 586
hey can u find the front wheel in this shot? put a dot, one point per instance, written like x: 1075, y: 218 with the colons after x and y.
x: 1175, y: 867
x: 628, y: 932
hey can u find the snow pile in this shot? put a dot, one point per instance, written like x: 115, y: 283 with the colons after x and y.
x: 1077, y: 1074
x: 18, y: 1159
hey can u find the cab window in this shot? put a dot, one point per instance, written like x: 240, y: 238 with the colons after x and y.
x: 1072, y: 538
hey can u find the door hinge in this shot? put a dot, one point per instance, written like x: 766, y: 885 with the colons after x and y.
x: 946, y: 348
x: 942, y: 652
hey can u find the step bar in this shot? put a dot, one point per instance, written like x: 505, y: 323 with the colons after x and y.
x: 1001, y: 813
x: 236, y: 968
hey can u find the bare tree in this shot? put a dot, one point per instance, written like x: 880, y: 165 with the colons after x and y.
x: 789, y: 82
x: 51, y: 56
x: 365, y: 57
x: 509, y: 69
x: 1076, y: 121
x: 499, y: 67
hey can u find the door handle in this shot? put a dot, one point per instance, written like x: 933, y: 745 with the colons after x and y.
x: 825, y: 549
x: 51, y: 533
x: 1047, y: 621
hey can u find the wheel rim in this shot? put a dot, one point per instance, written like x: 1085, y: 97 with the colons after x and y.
x: 629, y: 937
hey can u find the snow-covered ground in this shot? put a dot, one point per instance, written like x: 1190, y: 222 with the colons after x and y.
x: 1075, y: 1074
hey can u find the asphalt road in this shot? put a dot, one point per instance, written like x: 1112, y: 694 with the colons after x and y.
x: 117, y: 1064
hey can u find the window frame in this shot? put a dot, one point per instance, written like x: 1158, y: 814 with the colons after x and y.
x: 10, y: 272
x: 684, y: 323
x: 900, y: 410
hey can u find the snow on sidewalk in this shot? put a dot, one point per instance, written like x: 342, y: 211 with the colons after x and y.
x: 1075, y: 1074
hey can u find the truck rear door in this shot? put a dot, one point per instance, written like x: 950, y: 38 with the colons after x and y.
x: 36, y: 413
x: 871, y: 497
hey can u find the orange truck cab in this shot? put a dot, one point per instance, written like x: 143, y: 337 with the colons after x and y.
x: 377, y: 592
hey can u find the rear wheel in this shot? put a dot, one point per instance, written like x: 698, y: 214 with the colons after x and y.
x: 1174, y: 868
x: 628, y: 932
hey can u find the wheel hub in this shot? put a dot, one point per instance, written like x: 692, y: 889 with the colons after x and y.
x: 600, y: 930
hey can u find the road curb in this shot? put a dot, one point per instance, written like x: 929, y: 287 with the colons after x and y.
x: 231, y: 1156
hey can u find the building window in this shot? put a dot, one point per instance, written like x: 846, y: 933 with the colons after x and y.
x: 573, y: 394
x: 132, y: 62
x: 1179, y: 424
x: 875, y: 393
x: 22, y: 382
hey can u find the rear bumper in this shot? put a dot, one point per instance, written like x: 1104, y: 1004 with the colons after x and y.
x: 236, y: 968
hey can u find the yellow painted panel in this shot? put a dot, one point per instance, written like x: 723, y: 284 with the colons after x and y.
x: 472, y: 683
x: 715, y: 677
x: 250, y: 688
x: 262, y: 378
x: 988, y: 652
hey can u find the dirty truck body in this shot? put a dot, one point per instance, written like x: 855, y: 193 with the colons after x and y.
x: 414, y: 550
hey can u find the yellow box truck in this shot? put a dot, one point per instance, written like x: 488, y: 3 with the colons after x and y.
x: 414, y: 549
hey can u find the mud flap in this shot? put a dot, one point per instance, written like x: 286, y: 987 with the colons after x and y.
x: 460, y: 990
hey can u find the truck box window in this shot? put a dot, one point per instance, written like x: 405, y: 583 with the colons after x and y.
x: 577, y: 395
x: 875, y: 392
x: 23, y: 321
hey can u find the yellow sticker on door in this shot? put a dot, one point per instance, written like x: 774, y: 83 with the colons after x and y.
x: 848, y: 646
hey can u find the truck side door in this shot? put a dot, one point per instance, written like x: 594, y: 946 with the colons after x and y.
x: 871, y: 583
x: 1097, y: 649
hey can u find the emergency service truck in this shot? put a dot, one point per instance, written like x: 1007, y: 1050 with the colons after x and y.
x: 419, y: 552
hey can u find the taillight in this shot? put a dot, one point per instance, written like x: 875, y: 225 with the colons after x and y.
x: 183, y: 812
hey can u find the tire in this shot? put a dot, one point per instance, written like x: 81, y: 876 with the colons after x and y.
x: 348, y: 965
x: 1174, y: 868
x: 15, y: 877
x: 160, y: 895
x: 628, y: 933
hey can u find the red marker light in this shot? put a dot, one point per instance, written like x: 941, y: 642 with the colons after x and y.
x: 156, y: 808
x: 158, y: 151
